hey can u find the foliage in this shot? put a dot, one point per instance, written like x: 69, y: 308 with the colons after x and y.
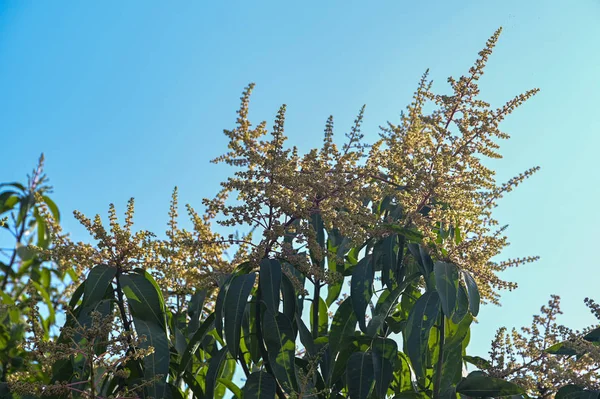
x: 404, y: 225
x: 547, y: 357
x: 26, y: 279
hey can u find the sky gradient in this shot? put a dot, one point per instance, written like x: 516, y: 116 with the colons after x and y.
x: 129, y: 99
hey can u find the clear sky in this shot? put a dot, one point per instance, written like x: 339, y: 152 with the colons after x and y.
x: 129, y: 98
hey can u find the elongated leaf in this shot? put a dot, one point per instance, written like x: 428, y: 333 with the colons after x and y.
x: 194, y: 344
x: 477, y: 361
x: 235, y: 304
x: 220, y: 303
x: 361, y: 289
x: 157, y: 363
x: 270, y: 283
x: 260, y: 385
x: 53, y: 208
x: 278, y: 335
x: 385, y: 352
x: 343, y: 326
x: 290, y: 299
x: 147, y: 308
x: 388, y: 303
x: 422, y: 318
x: 235, y: 390
x: 305, y: 336
x: 462, y: 305
x: 446, y: 280
x: 195, y: 310
x: 477, y: 385
x: 360, y: 375
x: 323, y: 317
x: 144, y: 298
x: 388, y: 260
x: 473, y: 292
x: 252, y: 339
x: 96, y: 283
x: 316, y: 222
x: 384, y: 374
x: 214, y: 371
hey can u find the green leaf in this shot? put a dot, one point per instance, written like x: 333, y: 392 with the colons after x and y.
x: 290, y: 298
x: 316, y: 222
x: 279, y: 339
x: 25, y: 252
x: 473, y: 292
x: 384, y: 306
x: 360, y: 375
x: 195, y: 310
x: 323, y: 317
x: 214, y: 371
x: 409, y: 234
x: 422, y: 318
x: 144, y: 298
x: 96, y: 283
x: 478, y: 362
x: 562, y: 348
x: 343, y: 326
x: 194, y: 344
x: 270, y: 283
x: 478, y: 384
x: 388, y: 260
x: 305, y: 336
x: 384, y: 354
x: 235, y: 390
x: 361, y: 289
x: 260, y: 385
x: 223, y: 288
x: 462, y: 305
x: 446, y: 280
x: 572, y: 391
x: 147, y: 308
x: 235, y: 304
x: 53, y: 208
x: 157, y: 363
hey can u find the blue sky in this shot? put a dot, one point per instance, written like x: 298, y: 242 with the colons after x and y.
x: 129, y: 99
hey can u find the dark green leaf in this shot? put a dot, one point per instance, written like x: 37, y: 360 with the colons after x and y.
x: 96, y: 283
x: 144, y: 297
x: 260, y: 385
x: 360, y: 375
x: 278, y: 335
x: 305, y: 336
x: 462, y: 305
x: 214, y: 371
x: 385, y: 352
x: 477, y: 361
x: 323, y: 317
x: 235, y: 304
x: 195, y: 310
x: 361, y: 289
x: 446, y: 280
x: 481, y: 385
x: 342, y: 326
x: 270, y: 283
x: 473, y: 292
x: 219, y: 304
x: 290, y: 298
x: 194, y: 344
x: 422, y: 317
x: 388, y: 260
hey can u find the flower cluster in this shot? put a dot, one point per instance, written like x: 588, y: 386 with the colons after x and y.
x: 546, y: 356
